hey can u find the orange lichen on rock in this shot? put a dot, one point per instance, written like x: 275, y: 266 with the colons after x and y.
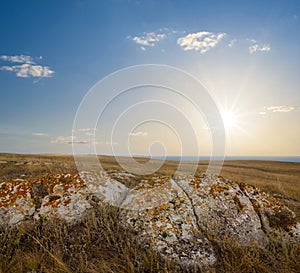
x: 159, y: 209
x: 12, y: 191
x: 65, y: 181
x: 195, y: 182
x: 218, y: 188
x: 20, y: 198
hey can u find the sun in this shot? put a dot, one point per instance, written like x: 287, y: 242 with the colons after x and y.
x: 230, y: 119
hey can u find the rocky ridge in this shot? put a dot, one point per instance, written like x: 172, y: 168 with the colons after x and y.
x: 177, y: 214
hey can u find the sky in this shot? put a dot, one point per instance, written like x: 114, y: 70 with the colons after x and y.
x: 245, y: 53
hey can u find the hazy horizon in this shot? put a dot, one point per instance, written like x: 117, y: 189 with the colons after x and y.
x: 168, y: 157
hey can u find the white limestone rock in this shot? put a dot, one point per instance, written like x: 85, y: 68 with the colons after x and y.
x: 175, y: 215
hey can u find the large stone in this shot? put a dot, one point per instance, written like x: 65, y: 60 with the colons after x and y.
x: 223, y: 208
x: 177, y: 215
x: 164, y: 214
x: 16, y: 202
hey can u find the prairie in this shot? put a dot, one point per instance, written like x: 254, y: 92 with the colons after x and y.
x: 281, y: 179
x: 101, y: 244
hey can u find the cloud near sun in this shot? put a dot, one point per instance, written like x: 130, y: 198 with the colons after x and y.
x: 256, y: 47
x: 200, y: 41
x: 25, y: 67
x: 149, y: 39
x: 138, y: 134
x: 278, y: 109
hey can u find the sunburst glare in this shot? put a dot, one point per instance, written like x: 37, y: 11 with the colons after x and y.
x: 230, y: 119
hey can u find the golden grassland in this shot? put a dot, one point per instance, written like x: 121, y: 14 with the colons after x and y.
x: 100, y: 244
x: 279, y: 178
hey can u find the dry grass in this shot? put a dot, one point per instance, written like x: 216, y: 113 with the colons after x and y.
x: 277, y: 177
x: 282, y: 179
x: 100, y: 244
x: 278, y: 256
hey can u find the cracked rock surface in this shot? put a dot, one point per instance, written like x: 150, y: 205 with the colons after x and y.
x: 178, y: 215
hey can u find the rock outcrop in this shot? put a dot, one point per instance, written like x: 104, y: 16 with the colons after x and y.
x: 177, y: 214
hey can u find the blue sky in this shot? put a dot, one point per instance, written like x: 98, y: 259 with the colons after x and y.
x: 245, y: 52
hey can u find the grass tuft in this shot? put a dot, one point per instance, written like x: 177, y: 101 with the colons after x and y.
x: 101, y: 244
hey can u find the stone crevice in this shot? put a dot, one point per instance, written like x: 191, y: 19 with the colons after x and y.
x: 192, y: 204
x: 257, y: 208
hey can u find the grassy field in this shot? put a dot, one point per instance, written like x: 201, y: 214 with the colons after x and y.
x: 279, y: 178
x: 101, y: 244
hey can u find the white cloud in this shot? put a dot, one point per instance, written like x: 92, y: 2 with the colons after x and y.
x: 29, y: 70
x: 277, y: 109
x: 256, y: 47
x: 200, y: 41
x: 232, y: 43
x: 252, y: 41
x: 138, y: 134
x: 17, y: 59
x: 76, y: 140
x: 280, y: 108
x: 148, y: 39
x: 39, y: 134
x: 64, y: 140
x: 261, y: 48
x: 27, y: 67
